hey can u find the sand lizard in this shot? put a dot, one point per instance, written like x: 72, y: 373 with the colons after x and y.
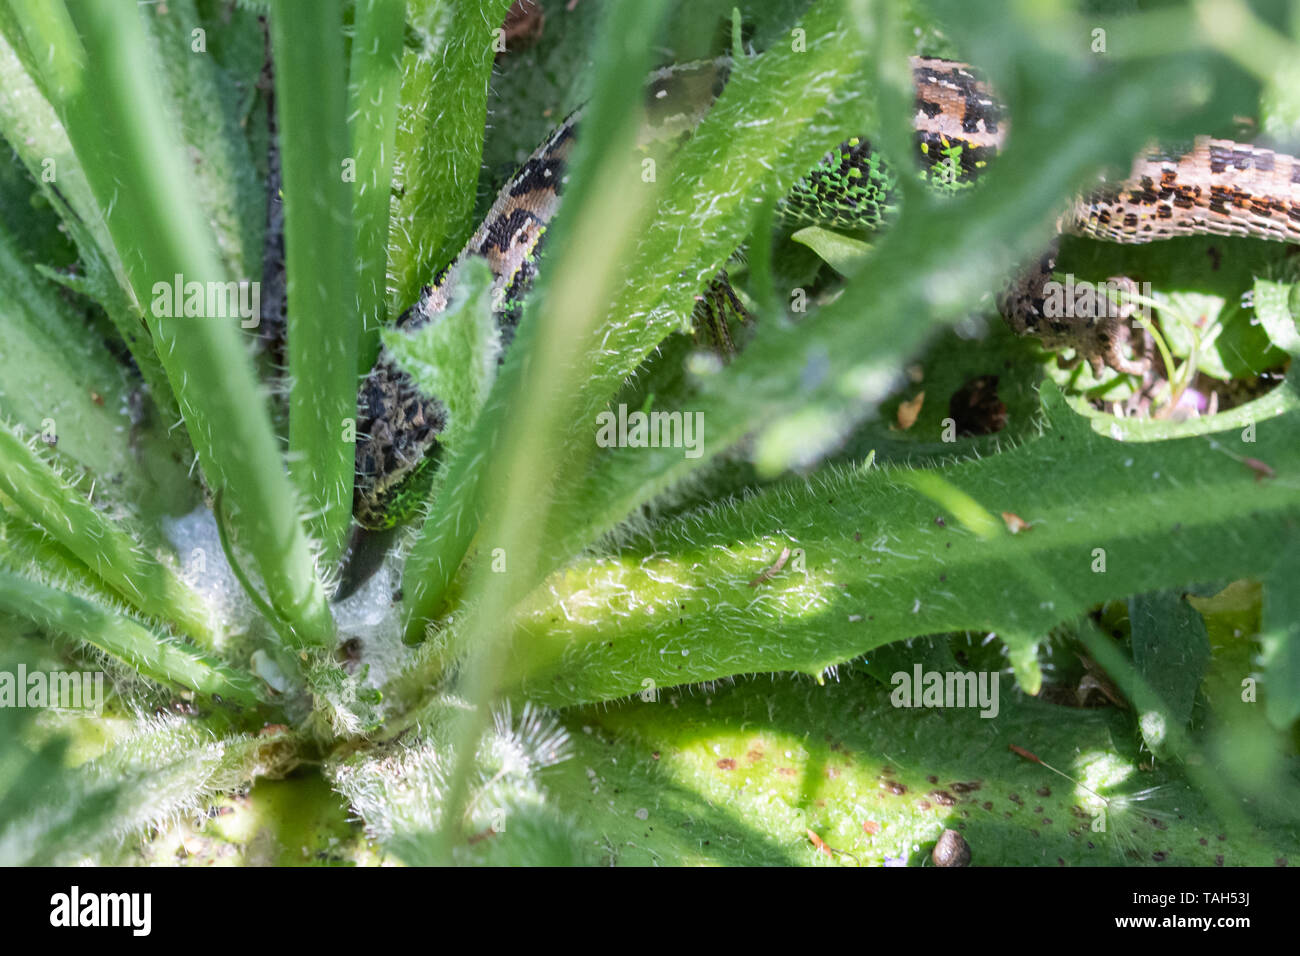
x: 1219, y: 187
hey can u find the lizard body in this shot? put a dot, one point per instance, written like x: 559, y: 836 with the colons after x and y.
x: 1218, y: 187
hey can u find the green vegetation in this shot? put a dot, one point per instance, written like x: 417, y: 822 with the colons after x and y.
x: 580, y: 654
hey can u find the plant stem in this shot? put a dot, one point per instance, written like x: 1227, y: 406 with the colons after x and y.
x: 374, y: 89
x: 139, y: 577
x: 139, y: 648
x: 110, y: 106
x: 311, y: 106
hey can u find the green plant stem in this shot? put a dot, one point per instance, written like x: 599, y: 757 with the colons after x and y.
x: 311, y: 106
x: 68, y: 517
x: 134, y: 645
x: 589, y: 264
x: 1106, y: 520
x: 31, y: 126
x: 139, y: 180
x: 374, y: 88
x: 439, y: 137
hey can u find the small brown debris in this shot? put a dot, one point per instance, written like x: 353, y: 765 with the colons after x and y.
x: 826, y: 848
x: 1015, y: 524
x: 524, y: 23
x: 1260, y: 469
x: 819, y: 843
x: 951, y: 850
x: 1024, y: 753
x: 767, y: 573
x: 909, y: 411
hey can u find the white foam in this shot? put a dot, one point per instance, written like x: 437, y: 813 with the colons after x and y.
x: 371, y: 615
x: 204, y: 567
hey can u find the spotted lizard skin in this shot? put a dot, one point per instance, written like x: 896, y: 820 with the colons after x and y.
x: 1219, y: 187
x: 397, y: 425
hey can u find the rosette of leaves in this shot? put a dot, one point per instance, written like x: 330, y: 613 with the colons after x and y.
x: 587, y: 655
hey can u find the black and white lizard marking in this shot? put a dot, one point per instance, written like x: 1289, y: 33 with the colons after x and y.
x: 397, y: 425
